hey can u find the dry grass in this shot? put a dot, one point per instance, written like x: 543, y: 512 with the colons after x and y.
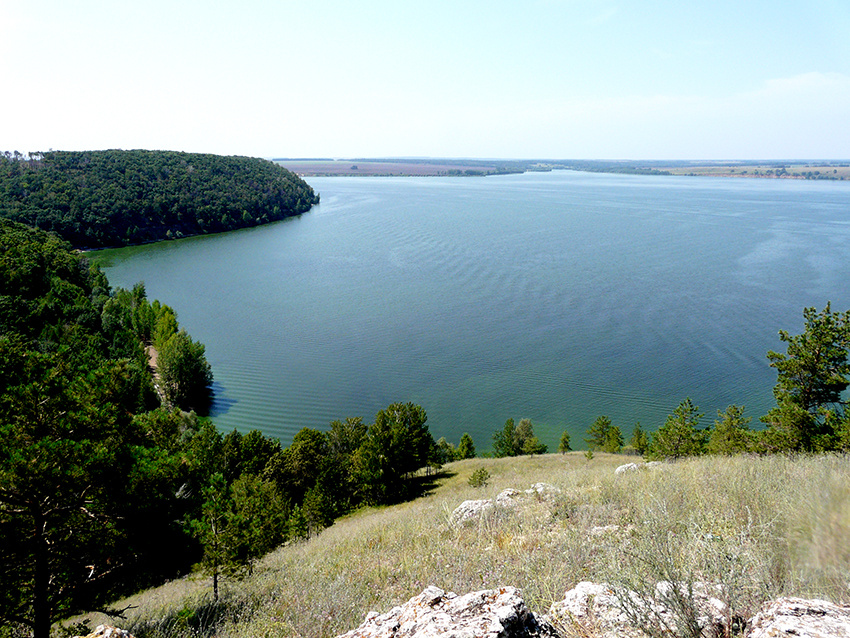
x: 762, y: 527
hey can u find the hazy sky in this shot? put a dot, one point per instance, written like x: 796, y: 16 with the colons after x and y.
x: 641, y: 79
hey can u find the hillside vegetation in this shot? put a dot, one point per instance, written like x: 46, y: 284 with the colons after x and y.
x: 761, y: 526
x: 109, y: 480
x: 97, y: 199
x: 90, y: 458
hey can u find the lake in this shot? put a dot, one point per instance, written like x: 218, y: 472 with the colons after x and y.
x: 556, y: 296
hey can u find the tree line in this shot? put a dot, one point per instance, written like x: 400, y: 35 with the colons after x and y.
x: 810, y: 415
x: 98, y: 199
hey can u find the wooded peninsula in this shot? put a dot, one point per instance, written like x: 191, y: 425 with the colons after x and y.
x: 100, y: 199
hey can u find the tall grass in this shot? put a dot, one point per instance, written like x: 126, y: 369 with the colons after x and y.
x: 760, y: 527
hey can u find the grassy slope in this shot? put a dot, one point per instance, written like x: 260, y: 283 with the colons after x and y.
x: 762, y: 526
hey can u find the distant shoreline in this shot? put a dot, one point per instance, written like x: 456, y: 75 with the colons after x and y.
x: 395, y: 168
x: 834, y: 170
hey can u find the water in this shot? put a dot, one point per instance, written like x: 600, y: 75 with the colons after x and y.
x: 555, y: 296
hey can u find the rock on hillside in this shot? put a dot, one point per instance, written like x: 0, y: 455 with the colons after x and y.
x: 590, y: 610
x: 597, y: 609
x: 470, y: 511
x: 107, y: 631
x: 801, y: 619
x: 492, y: 613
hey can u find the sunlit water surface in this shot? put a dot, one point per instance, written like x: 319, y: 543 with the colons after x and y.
x: 556, y: 296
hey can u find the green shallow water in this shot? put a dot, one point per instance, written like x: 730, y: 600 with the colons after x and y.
x: 555, y: 296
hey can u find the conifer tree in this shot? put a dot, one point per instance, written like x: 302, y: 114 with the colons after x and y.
x: 213, y: 530
x: 613, y: 440
x: 811, y: 376
x: 731, y: 433
x: 465, y: 448
x: 504, y: 441
x: 679, y: 436
x: 297, y: 526
x: 564, y: 443
x: 597, y: 434
x: 639, y: 440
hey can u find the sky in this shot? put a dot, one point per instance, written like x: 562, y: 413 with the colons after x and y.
x: 524, y: 79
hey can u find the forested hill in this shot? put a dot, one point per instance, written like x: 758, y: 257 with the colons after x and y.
x: 98, y: 199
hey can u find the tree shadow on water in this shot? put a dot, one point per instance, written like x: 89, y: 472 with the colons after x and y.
x: 219, y: 402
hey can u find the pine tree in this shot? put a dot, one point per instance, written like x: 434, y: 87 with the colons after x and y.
x: 564, y: 443
x: 639, y: 440
x: 213, y: 531
x: 597, y: 434
x: 466, y: 448
x: 731, y: 433
x: 613, y: 440
x: 504, y: 441
x: 811, y: 377
x: 679, y: 436
x: 297, y: 526
x: 514, y: 440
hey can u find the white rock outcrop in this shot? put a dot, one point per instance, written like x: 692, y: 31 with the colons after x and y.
x: 800, y: 618
x: 628, y: 467
x: 543, y: 491
x: 597, y: 609
x: 469, y: 511
x: 107, y: 631
x: 508, y: 498
x: 492, y: 613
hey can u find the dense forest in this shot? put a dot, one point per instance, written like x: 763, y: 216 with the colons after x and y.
x: 97, y: 199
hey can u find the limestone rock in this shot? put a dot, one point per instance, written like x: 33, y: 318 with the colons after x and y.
x: 628, y: 467
x: 543, y: 491
x: 470, y: 510
x: 592, y: 608
x: 596, y: 608
x: 508, y: 497
x: 108, y: 631
x: 801, y: 618
x: 493, y: 613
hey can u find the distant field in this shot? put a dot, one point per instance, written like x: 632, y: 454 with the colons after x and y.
x: 774, y: 170
x: 391, y: 168
x: 793, y: 169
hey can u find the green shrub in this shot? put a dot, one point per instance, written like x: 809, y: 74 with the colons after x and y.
x: 479, y: 478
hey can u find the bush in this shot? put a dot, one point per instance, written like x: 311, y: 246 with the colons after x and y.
x: 479, y: 478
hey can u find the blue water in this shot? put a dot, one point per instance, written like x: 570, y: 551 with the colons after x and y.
x: 555, y: 296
